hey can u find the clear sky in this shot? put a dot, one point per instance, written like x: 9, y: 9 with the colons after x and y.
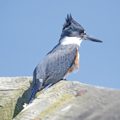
x: 31, y: 28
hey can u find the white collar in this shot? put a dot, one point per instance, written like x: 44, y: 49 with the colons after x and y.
x: 71, y: 40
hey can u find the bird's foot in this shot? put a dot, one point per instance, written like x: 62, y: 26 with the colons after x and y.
x: 64, y: 79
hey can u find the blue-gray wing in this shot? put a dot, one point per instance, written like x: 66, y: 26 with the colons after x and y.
x: 53, y: 68
x: 58, y: 62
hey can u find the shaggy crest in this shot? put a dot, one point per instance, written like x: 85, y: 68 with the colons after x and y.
x: 71, y: 22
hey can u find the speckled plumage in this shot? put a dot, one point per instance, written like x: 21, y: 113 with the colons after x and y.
x: 54, y: 66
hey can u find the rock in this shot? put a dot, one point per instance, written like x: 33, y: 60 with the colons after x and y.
x: 70, y: 100
x: 66, y: 100
x: 13, y: 93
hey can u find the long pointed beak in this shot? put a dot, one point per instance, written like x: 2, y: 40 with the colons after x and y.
x: 87, y: 37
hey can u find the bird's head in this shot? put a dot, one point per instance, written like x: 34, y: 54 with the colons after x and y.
x: 71, y: 28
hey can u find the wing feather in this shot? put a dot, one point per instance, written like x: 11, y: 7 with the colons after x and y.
x: 58, y: 63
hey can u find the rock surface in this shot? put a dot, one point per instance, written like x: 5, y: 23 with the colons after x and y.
x: 13, y: 94
x: 66, y: 100
x: 70, y: 100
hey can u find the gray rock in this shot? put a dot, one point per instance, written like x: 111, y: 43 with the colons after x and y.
x: 70, y: 100
x: 13, y: 93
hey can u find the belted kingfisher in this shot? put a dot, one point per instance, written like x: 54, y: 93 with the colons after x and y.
x: 62, y: 59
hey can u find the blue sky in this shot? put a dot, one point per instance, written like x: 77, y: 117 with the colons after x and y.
x: 31, y: 28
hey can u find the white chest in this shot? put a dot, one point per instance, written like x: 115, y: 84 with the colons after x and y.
x: 71, y: 40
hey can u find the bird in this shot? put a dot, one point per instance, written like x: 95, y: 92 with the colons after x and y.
x: 63, y: 59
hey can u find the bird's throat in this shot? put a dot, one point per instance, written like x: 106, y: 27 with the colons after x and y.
x: 71, y: 40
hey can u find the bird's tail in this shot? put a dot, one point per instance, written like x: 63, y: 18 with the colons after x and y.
x: 36, y: 86
x: 33, y: 93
